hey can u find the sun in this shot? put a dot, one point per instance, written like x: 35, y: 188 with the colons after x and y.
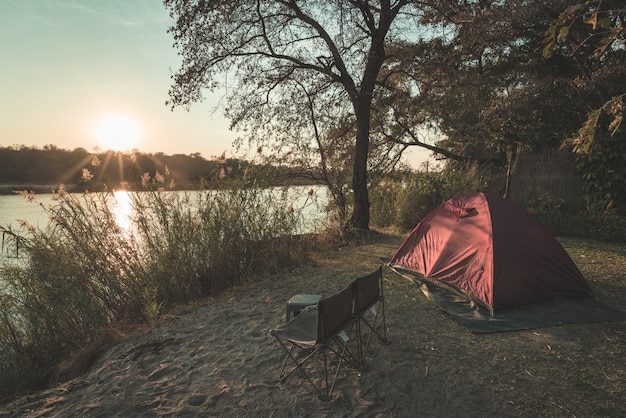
x: 117, y: 133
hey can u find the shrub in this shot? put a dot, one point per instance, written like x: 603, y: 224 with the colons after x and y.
x: 422, y: 193
x: 592, y: 224
x: 404, y: 199
x: 604, y: 172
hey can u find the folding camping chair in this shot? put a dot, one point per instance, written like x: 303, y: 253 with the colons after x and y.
x: 316, y: 331
x: 369, y: 307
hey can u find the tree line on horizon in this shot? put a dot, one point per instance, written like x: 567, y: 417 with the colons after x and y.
x: 79, y: 169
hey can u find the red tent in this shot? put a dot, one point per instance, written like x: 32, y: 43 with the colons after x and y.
x: 491, y: 250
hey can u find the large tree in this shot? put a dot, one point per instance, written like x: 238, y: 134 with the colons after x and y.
x: 301, y: 76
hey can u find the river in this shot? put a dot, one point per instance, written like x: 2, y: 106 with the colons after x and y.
x: 14, y: 209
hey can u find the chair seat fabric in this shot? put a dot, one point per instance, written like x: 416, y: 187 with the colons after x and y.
x: 302, y: 329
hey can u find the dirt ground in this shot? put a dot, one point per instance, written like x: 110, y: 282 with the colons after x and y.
x: 220, y: 360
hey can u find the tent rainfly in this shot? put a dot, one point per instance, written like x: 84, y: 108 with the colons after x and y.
x: 492, y: 251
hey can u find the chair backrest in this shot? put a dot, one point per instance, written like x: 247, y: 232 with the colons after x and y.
x: 368, y: 290
x: 334, y: 312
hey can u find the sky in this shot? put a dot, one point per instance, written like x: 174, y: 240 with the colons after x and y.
x: 81, y: 73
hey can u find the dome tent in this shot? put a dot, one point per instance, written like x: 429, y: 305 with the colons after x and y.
x: 492, y: 251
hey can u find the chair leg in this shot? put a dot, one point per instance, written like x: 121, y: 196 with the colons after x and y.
x: 359, y: 343
x: 329, y: 391
x: 297, y: 363
x: 326, y: 375
x: 342, y: 356
x: 341, y: 352
x: 372, y: 330
x: 372, y: 326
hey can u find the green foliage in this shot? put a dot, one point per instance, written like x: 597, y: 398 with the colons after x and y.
x: 152, y: 306
x: 607, y: 227
x: 614, y: 108
x: 402, y: 201
x: 602, y: 24
x: 485, y: 85
x: 604, y: 173
x: 593, y: 32
x: 108, y: 257
x: 421, y: 195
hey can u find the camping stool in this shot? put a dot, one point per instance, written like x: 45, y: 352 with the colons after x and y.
x: 298, y: 302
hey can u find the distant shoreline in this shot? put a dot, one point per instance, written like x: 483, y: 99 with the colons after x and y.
x: 9, y: 189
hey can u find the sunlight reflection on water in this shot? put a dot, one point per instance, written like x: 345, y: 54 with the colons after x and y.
x: 123, y: 209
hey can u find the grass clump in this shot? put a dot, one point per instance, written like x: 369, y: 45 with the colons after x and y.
x: 107, y: 258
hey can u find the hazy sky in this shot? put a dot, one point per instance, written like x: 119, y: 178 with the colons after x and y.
x: 68, y: 65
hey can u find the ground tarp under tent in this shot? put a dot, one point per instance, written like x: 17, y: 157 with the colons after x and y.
x: 494, y: 267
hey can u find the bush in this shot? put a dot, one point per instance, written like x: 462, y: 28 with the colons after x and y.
x: 421, y: 195
x: 109, y: 257
x: 404, y: 199
x: 603, y: 172
x: 592, y: 224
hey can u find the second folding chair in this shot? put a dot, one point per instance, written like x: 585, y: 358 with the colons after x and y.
x: 321, y: 330
x: 369, y: 307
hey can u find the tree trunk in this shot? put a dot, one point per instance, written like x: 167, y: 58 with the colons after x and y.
x: 362, y: 102
x: 512, y: 157
x: 360, y: 218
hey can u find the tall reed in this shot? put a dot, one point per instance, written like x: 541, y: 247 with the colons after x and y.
x: 91, y: 267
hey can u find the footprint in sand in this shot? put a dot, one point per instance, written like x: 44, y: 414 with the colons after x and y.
x: 196, y: 400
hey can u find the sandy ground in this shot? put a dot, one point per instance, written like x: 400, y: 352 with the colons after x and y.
x: 220, y: 360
